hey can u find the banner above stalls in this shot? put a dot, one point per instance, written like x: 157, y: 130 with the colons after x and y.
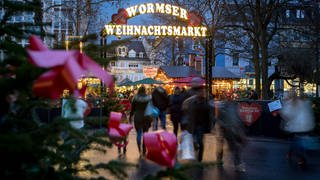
x: 119, y: 26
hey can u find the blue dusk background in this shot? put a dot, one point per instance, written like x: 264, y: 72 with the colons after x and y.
x: 111, y: 9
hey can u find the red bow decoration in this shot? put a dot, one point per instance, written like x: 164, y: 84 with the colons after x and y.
x: 67, y: 67
x: 118, y: 131
x: 121, y: 17
x: 126, y: 104
x: 194, y: 19
x: 161, y: 147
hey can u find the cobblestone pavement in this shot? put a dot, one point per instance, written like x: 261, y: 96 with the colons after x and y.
x: 264, y: 158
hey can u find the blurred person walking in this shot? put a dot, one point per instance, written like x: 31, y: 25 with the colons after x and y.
x: 298, y: 120
x: 160, y: 99
x: 175, y: 104
x: 141, y: 122
x: 198, y: 118
x: 229, y: 128
x: 196, y: 83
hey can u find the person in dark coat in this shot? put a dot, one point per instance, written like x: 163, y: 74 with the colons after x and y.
x: 196, y: 84
x: 160, y: 99
x: 199, y: 119
x: 141, y: 122
x: 175, y: 103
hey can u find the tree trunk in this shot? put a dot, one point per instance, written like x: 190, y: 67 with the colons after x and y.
x: 301, y: 86
x: 173, y: 60
x: 38, y: 17
x: 264, y: 65
x: 317, y: 66
x: 78, y: 18
x: 256, y: 63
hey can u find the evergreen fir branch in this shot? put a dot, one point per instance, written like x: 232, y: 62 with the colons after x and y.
x: 117, y: 168
x: 8, y: 45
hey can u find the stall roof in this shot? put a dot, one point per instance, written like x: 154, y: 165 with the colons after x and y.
x: 147, y: 81
x: 125, y: 82
x: 222, y: 72
x: 179, y: 71
x: 187, y: 71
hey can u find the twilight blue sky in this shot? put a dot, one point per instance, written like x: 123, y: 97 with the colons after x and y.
x: 107, y: 13
x: 145, y: 19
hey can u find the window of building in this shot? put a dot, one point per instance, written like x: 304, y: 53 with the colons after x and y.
x: 56, y: 24
x: 140, y: 54
x: 133, y: 65
x: 18, y: 18
x: 235, y: 59
x: 287, y: 13
x: 132, y: 53
x: 1, y: 13
x: 122, y: 51
x: 300, y: 14
x: 57, y: 2
x: 11, y: 19
x: 250, y: 81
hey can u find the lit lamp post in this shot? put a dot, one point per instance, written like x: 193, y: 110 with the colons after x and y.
x: 67, y: 44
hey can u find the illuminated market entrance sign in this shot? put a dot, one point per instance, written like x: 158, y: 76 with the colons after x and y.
x: 119, y: 25
x: 155, y: 30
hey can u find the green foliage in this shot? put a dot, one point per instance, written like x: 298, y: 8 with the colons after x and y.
x: 111, y: 102
x: 117, y: 168
x: 30, y: 149
x: 96, y: 122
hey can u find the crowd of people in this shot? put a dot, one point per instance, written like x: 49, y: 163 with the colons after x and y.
x: 191, y: 111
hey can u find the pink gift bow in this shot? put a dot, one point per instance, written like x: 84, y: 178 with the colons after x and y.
x: 161, y: 147
x: 67, y: 67
x: 118, y: 131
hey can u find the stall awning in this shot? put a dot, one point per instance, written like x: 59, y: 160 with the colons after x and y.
x: 125, y: 82
x: 147, y: 81
x: 223, y: 73
x: 179, y: 71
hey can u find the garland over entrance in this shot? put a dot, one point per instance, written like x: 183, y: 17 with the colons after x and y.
x: 155, y: 30
x: 119, y: 26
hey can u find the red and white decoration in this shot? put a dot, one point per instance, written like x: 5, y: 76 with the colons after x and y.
x: 249, y: 113
x: 161, y: 147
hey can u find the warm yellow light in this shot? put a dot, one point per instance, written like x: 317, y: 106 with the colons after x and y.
x: 161, y: 8
x: 81, y: 46
x: 67, y: 45
x: 139, y: 30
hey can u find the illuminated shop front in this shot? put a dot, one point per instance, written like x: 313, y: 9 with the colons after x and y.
x: 223, y: 80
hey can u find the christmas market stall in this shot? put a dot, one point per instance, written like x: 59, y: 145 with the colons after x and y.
x: 223, y: 81
x: 172, y: 76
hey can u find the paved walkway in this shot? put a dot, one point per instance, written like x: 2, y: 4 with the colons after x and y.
x: 264, y: 158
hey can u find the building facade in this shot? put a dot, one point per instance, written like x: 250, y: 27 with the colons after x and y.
x: 131, y: 59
